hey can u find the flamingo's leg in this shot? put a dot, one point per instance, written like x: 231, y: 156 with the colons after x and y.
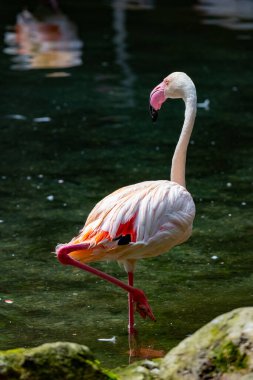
x: 138, y: 296
x: 131, y: 328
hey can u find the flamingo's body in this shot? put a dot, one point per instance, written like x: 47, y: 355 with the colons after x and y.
x: 151, y: 216
x: 142, y: 220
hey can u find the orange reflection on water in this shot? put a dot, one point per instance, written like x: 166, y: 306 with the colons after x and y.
x: 146, y: 353
x: 139, y: 351
x: 42, y: 44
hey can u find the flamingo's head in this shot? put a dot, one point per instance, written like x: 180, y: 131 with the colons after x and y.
x: 174, y: 86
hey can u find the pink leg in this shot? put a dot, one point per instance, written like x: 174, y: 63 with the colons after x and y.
x: 137, y: 295
x: 131, y: 328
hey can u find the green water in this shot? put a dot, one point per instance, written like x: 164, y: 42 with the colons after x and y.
x: 99, y: 137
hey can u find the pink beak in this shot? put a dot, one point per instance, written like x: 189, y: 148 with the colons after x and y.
x: 157, y: 98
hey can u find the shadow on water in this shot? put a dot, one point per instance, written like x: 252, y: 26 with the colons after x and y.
x: 74, y: 126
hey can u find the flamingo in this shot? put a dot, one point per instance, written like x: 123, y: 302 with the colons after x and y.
x: 141, y: 220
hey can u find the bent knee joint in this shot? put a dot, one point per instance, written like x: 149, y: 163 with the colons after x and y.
x: 62, y: 255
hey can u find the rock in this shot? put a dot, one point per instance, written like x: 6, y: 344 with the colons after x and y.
x: 143, y: 370
x: 51, y: 361
x: 221, y: 350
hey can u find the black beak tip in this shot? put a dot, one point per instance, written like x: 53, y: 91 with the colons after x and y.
x: 153, y: 113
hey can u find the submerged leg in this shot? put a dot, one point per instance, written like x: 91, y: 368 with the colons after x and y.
x: 131, y: 328
x: 138, y: 296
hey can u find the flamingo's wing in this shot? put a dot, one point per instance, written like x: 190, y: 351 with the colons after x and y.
x: 135, y: 215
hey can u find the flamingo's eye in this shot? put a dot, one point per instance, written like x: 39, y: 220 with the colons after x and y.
x: 166, y: 82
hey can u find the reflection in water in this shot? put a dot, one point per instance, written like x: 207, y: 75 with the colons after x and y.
x: 42, y: 44
x: 135, y: 4
x: 231, y: 14
x: 137, y: 351
x: 119, y: 25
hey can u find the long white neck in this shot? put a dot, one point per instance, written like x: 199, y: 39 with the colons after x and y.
x: 179, y: 158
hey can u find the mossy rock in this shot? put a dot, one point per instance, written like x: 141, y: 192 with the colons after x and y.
x: 51, y: 361
x: 141, y: 370
x: 221, y: 350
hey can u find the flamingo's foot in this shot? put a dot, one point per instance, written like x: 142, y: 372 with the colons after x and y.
x: 142, y: 305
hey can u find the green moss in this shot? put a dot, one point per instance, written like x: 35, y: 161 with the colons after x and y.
x: 228, y: 357
x: 14, y: 351
x: 56, y: 361
x: 111, y: 375
x: 95, y: 364
x: 10, y: 362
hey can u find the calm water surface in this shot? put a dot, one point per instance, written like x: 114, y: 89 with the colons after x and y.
x: 75, y: 126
